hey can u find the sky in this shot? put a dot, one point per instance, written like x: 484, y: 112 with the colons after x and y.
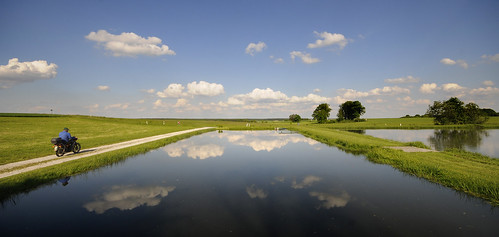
x: 245, y: 59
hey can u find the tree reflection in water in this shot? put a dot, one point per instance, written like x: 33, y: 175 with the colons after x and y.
x: 452, y: 138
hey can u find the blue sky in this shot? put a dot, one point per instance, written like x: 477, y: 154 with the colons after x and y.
x: 245, y: 59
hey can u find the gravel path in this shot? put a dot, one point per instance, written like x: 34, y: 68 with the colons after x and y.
x: 37, y: 163
x: 410, y: 149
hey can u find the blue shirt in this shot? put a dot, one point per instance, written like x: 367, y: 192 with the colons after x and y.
x: 65, y: 136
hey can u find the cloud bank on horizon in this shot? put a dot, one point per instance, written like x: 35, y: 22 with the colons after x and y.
x: 263, y: 68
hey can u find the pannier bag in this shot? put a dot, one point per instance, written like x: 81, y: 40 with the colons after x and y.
x: 56, y: 140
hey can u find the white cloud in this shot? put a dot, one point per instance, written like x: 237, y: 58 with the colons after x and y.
x: 485, y: 91
x: 181, y: 103
x: 352, y: 94
x: 172, y: 91
x: 494, y: 58
x: 407, y: 79
x: 205, y: 88
x: 16, y: 72
x: 150, y: 91
x: 159, y: 104
x: 488, y: 83
x: 317, y: 90
x: 269, y: 99
x: 310, y: 98
x: 460, y: 62
x: 428, y: 88
x: 117, y: 106
x: 278, y: 60
x: 103, y: 88
x: 448, y: 61
x: 409, y: 101
x: 378, y: 100
x: 389, y: 90
x: 253, y: 48
x: 128, y: 198
x: 339, y: 100
x: 130, y: 44
x: 260, y: 95
x: 305, y: 57
x: 452, y: 87
x: 234, y: 100
x: 141, y: 101
x: 92, y: 107
x: 328, y: 39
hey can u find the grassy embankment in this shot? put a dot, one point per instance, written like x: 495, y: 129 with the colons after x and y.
x: 29, y: 137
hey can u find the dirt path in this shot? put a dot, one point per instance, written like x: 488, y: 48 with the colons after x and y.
x: 37, y: 163
x: 410, y: 149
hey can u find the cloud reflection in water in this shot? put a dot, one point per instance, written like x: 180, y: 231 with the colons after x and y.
x: 330, y: 200
x: 128, y: 198
x: 194, y: 151
x: 255, y: 192
x: 307, y: 181
x: 265, y: 141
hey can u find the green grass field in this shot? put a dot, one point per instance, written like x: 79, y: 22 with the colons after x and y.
x: 28, y: 136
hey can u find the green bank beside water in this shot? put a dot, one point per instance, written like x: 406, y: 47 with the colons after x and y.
x: 468, y: 172
x: 27, y: 137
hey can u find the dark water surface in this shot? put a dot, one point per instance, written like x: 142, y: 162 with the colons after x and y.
x: 247, y: 184
x: 475, y: 140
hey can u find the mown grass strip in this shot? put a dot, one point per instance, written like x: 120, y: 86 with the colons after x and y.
x: 471, y: 173
x: 24, y: 183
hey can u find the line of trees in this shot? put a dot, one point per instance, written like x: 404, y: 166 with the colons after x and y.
x: 451, y: 111
x: 350, y: 110
x: 454, y: 111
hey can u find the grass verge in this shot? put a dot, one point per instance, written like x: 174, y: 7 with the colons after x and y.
x: 15, y: 185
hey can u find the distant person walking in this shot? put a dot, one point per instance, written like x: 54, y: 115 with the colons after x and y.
x: 65, y: 135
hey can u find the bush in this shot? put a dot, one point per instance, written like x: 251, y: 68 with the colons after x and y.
x: 295, y: 118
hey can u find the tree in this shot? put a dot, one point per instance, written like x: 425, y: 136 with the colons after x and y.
x: 351, y: 110
x: 295, y: 118
x: 453, y: 111
x: 490, y: 112
x: 321, y: 113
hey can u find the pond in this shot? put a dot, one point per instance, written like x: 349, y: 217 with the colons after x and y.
x: 244, y: 183
x: 474, y: 140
